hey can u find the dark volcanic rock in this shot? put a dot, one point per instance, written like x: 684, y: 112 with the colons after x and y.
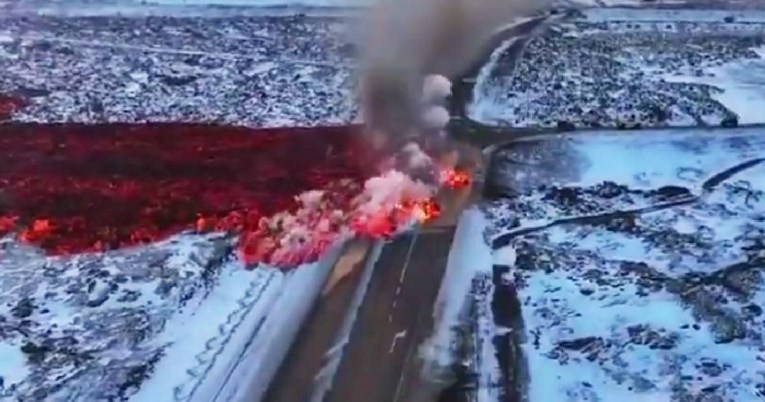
x: 565, y: 126
x: 645, y: 275
x: 729, y: 122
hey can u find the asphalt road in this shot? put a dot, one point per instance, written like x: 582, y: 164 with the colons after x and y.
x: 395, y: 316
x: 380, y: 362
x: 463, y: 85
x: 295, y: 380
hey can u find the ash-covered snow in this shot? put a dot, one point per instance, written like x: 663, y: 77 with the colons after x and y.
x: 627, y: 67
x: 638, y: 265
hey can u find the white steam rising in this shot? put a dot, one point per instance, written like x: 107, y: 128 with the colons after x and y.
x: 436, y: 88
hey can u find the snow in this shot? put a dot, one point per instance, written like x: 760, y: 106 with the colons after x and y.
x: 606, y: 316
x: 658, y: 154
x: 612, y: 3
x: 484, y: 106
x: 266, y: 3
x: 12, y: 365
x: 741, y: 85
x: 266, y: 343
x: 469, y: 255
x: 637, y: 58
x: 221, y: 341
x: 205, y: 8
x: 656, y: 310
x: 218, y: 331
x: 191, y: 359
x: 601, y: 14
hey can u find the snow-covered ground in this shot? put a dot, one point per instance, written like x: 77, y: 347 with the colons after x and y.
x: 244, y: 70
x: 269, y: 3
x: 740, y: 86
x: 638, y: 262
x: 617, y: 267
x: 179, y: 320
x: 173, y: 321
x: 608, y: 67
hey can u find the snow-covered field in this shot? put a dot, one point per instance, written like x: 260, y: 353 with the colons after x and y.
x: 174, y: 321
x: 244, y: 70
x: 179, y: 320
x: 638, y: 264
x: 610, y: 67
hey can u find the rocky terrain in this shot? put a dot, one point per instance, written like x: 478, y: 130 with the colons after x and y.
x: 638, y: 267
x: 74, y: 321
x: 602, y: 68
x: 244, y: 70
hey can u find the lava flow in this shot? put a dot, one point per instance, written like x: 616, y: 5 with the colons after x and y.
x: 10, y: 105
x: 288, y: 193
x: 74, y: 188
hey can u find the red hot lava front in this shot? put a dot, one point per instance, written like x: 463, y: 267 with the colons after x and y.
x: 288, y: 193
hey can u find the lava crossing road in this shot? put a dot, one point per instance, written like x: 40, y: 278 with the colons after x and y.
x: 380, y: 362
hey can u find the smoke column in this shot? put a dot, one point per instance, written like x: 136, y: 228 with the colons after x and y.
x: 403, y: 40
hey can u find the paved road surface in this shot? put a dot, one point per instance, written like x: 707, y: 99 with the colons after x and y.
x: 402, y: 289
x: 463, y: 85
x: 294, y: 381
x: 380, y: 362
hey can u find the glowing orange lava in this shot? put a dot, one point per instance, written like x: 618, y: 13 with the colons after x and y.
x: 71, y: 188
x: 288, y: 193
x: 454, y: 179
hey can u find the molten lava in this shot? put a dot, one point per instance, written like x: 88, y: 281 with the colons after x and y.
x: 10, y: 105
x: 455, y: 179
x: 288, y: 193
x: 74, y: 188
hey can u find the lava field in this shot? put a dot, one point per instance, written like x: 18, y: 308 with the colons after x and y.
x: 71, y: 188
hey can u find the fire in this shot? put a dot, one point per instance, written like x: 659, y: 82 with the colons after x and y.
x: 390, y: 203
x: 455, y: 179
x: 422, y: 211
